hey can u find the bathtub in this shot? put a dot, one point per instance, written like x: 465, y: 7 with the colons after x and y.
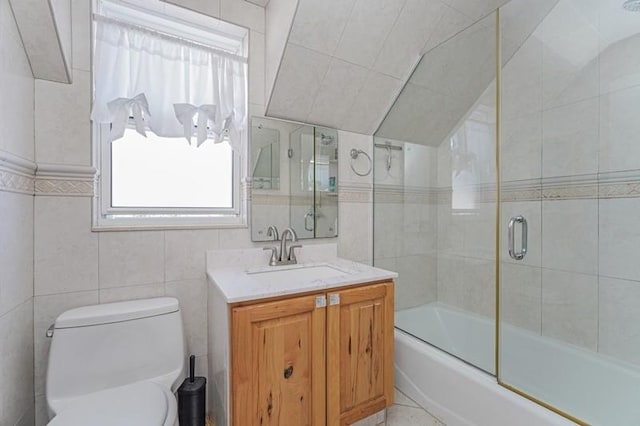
x: 595, y: 388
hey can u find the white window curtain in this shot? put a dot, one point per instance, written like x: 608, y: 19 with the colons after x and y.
x: 171, y: 85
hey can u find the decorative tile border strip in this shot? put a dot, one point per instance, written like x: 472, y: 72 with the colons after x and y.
x: 355, y: 193
x: 16, y: 174
x: 65, y: 180
x: 606, y: 185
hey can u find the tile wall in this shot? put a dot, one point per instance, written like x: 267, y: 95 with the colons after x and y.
x: 74, y: 266
x: 569, y: 163
x: 16, y: 226
x: 570, y: 143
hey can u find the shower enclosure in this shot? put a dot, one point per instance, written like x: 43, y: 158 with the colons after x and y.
x: 507, y: 197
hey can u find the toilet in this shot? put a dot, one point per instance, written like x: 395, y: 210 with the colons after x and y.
x: 116, y: 364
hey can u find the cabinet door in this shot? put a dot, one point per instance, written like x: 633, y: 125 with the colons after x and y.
x: 359, y: 352
x: 278, y: 363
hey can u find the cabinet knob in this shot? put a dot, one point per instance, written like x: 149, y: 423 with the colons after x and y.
x: 288, y: 372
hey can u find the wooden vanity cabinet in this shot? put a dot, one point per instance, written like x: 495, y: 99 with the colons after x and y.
x: 319, y: 359
x: 278, y: 363
x: 359, y: 352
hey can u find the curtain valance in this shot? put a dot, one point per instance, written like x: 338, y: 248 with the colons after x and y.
x: 170, y: 85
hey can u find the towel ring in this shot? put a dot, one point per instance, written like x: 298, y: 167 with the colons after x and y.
x: 354, y: 154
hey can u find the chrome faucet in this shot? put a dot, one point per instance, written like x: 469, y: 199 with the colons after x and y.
x: 286, y: 256
x: 291, y: 255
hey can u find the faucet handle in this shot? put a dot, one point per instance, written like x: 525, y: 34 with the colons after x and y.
x: 292, y: 253
x: 274, y: 255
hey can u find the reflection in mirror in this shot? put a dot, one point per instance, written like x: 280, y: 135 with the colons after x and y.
x: 295, y: 178
x: 265, y: 156
x: 326, y: 175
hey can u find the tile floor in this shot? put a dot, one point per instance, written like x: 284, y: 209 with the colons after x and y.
x: 404, y: 412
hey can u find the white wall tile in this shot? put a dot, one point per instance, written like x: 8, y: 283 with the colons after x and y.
x: 359, y: 44
x: 17, y: 88
x: 451, y: 23
x: 235, y: 238
x: 402, y: 48
x: 619, y: 233
x: 118, y: 294
x: 185, y: 253
x: 570, y: 139
x: 467, y: 283
x: 257, y: 68
x: 45, y: 310
x: 570, y: 235
x: 63, y: 133
x: 354, y: 232
x: 279, y: 16
x: 521, y: 296
x: 16, y: 250
x: 419, y: 229
x: 619, y: 63
x: 619, y: 319
x: 521, y: 148
x: 81, y: 34
x: 417, y: 281
x: 521, y: 80
x: 66, y: 251
x: 300, y: 77
x: 207, y: 7
x: 450, y: 231
x: 131, y: 258
x: 570, y: 307
x: 619, y: 130
x: 373, y: 101
x: 570, y: 67
x: 479, y: 229
x: 16, y: 363
x: 192, y: 295
x: 387, y: 230
x: 321, y: 35
x: 475, y: 9
x: 243, y: 13
x: 340, y: 86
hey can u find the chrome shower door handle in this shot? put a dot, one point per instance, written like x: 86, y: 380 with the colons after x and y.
x: 517, y: 255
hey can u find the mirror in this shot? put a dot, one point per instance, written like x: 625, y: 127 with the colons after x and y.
x: 265, y: 156
x: 294, y: 179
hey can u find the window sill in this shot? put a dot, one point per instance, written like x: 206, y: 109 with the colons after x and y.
x: 165, y: 224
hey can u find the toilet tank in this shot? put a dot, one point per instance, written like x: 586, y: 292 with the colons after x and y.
x: 103, y: 346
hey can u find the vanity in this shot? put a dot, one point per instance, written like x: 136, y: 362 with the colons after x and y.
x: 303, y: 344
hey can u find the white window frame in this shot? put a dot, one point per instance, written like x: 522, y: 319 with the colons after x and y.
x: 109, y: 218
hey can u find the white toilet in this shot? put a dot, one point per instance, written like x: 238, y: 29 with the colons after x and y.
x: 117, y: 364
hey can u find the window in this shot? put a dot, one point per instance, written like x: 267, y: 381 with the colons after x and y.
x: 169, y: 117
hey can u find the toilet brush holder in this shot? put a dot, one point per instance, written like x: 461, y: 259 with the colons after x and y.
x: 192, y: 397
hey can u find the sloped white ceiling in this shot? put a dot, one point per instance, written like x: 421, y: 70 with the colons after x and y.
x: 345, y: 61
x: 451, y: 78
x: 45, y: 29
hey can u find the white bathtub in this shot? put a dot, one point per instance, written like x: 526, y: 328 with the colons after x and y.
x: 594, y: 388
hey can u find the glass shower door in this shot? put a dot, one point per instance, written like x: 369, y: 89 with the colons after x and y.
x: 569, y: 285
x: 435, y: 196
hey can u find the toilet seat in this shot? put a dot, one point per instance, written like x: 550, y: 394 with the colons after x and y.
x: 138, y: 404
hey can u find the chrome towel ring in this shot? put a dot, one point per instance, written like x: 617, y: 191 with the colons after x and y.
x: 354, y: 155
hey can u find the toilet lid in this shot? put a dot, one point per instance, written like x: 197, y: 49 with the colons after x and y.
x: 139, y: 404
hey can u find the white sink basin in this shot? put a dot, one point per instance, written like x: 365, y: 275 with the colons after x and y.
x: 296, y: 274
